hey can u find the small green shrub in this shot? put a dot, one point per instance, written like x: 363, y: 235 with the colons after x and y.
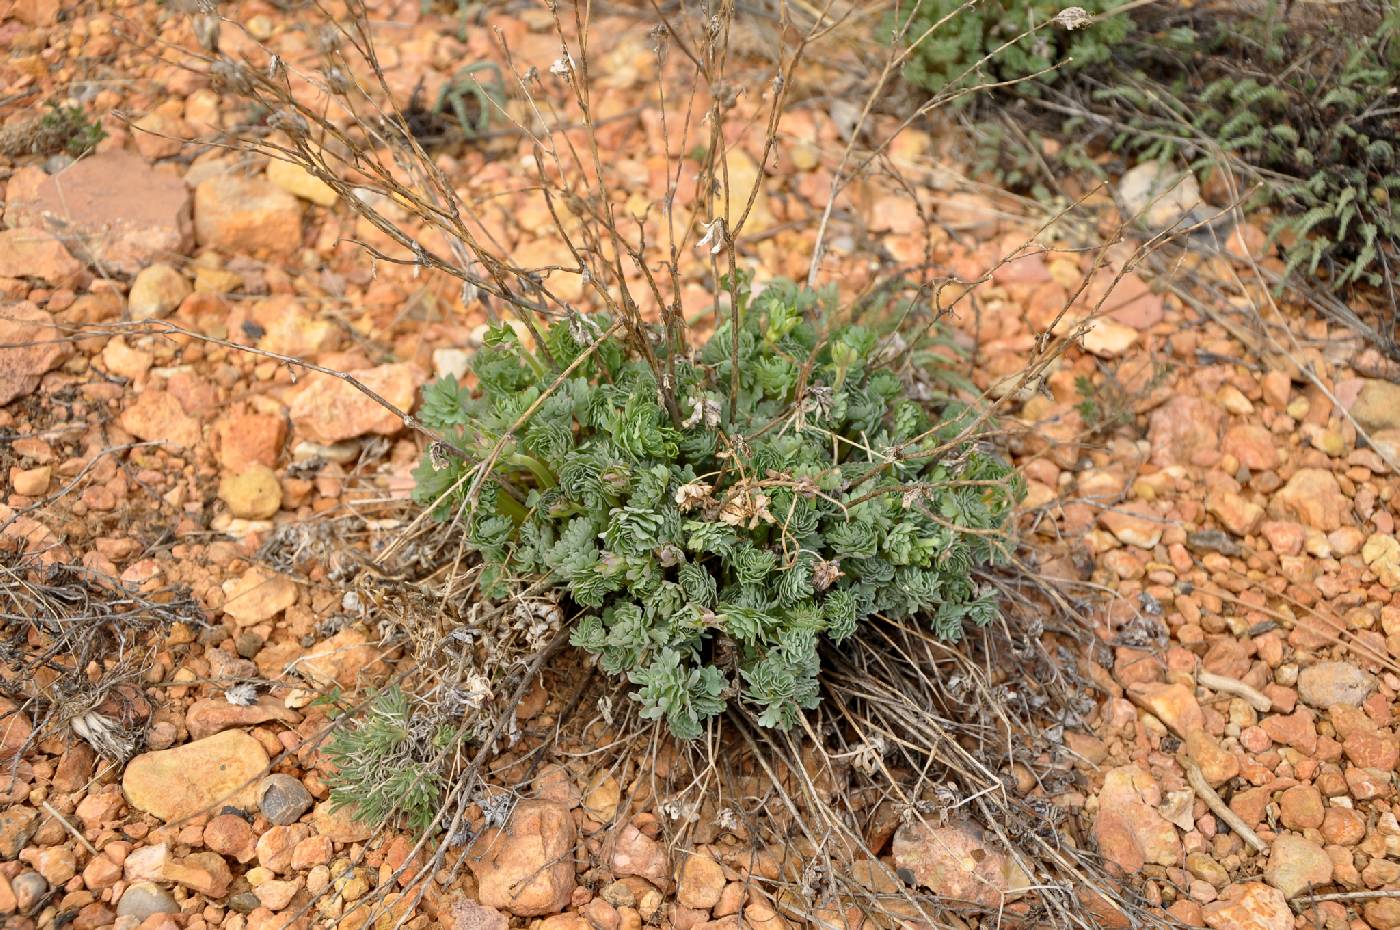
x: 1306, y: 116
x: 80, y: 133
x: 385, y: 765
x: 58, y: 129
x: 948, y: 57
x: 709, y: 555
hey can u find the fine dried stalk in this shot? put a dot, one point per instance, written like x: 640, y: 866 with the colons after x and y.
x: 1197, y: 780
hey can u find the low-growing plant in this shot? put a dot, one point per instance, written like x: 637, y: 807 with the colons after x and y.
x: 463, y: 109
x: 1305, y: 115
x: 79, y: 132
x: 1108, y: 404
x: 58, y: 129
x: 961, y: 44
x: 710, y: 549
x: 1027, y: 160
x: 385, y: 762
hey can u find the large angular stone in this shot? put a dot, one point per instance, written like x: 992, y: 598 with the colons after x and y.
x: 1250, y: 906
x: 35, y: 344
x: 156, y: 416
x: 1174, y: 705
x: 1182, y: 429
x: 1297, y: 864
x: 36, y: 253
x: 1129, y: 830
x: 204, y: 872
x: 237, y: 214
x: 957, y: 862
x: 208, y: 716
x: 328, y: 410
x: 341, y: 659
x: 527, y: 868
x: 258, y: 595
x: 112, y: 210
x: 1314, y: 498
x: 201, y: 776
x: 700, y: 882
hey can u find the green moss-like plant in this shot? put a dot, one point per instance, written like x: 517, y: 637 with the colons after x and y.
x: 59, y: 129
x: 709, y: 554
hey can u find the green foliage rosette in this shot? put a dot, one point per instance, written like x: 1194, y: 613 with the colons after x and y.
x: 710, y: 547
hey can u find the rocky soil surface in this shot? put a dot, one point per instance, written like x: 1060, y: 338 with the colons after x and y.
x: 1228, y: 490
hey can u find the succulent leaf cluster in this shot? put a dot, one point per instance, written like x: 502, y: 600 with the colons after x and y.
x: 710, y: 554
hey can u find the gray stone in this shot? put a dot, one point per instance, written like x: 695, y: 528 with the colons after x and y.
x: 248, y: 644
x: 17, y: 825
x: 28, y: 887
x: 283, y: 799
x: 142, y: 899
x: 245, y: 902
x: 1160, y: 196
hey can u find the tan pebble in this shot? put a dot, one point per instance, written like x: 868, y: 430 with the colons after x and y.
x: 31, y: 482
x: 804, y: 156
x: 296, y: 180
x: 1233, y: 401
x: 1301, y: 807
x: 1296, y: 864
x: 700, y: 882
x: 156, y: 291
x: 254, y: 494
x: 1343, y: 826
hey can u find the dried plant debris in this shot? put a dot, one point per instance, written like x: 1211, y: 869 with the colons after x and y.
x: 910, y: 754
x: 75, y: 645
x: 404, y: 753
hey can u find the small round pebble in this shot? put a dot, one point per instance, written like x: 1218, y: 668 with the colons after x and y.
x: 245, y: 902
x: 283, y: 799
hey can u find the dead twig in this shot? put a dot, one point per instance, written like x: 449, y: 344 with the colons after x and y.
x: 1197, y: 780
x: 1302, y: 900
x: 77, y: 835
x: 1256, y: 699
